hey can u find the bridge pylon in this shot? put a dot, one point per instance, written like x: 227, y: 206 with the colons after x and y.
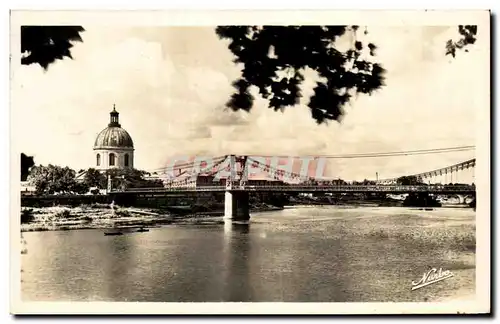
x: 236, y: 203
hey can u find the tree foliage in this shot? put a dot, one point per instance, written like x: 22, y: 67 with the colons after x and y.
x: 467, y: 36
x: 94, y: 178
x: 27, y: 216
x: 27, y: 162
x: 409, y: 180
x: 55, y: 179
x: 44, y: 45
x: 79, y: 187
x: 365, y: 182
x: 275, y: 58
x: 132, y: 178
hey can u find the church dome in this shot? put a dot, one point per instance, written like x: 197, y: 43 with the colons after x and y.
x: 114, y: 136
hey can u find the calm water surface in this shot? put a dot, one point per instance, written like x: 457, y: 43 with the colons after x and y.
x: 300, y: 254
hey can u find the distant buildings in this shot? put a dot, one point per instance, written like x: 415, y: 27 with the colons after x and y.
x: 203, y: 180
x: 264, y: 181
x: 329, y: 182
x: 27, y: 188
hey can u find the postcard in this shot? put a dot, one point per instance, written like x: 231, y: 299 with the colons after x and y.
x: 250, y: 162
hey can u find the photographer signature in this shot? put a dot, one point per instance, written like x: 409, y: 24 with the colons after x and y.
x: 432, y: 276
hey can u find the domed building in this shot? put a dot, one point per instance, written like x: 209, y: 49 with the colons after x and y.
x: 113, y: 147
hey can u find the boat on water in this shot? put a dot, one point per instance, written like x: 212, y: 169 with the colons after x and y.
x: 112, y: 233
x: 142, y: 229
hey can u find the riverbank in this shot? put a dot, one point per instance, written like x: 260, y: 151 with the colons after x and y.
x: 372, y: 202
x: 329, y: 201
x: 61, y: 218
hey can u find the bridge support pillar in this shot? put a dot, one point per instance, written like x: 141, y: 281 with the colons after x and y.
x: 236, y: 206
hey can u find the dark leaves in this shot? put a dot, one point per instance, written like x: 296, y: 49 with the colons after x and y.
x: 274, y: 58
x: 326, y: 104
x: 26, y: 163
x: 372, y: 48
x: 240, y: 100
x: 285, y: 93
x: 372, y: 81
x: 44, y: 45
x: 468, y: 37
x: 450, y: 48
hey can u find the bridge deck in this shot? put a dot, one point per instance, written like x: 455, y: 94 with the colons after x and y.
x: 437, y: 189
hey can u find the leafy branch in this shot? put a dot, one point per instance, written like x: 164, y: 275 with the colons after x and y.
x: 274, y: 60
x: 468, y: 37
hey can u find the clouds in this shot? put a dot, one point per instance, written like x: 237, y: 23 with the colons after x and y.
x: 170, y: 86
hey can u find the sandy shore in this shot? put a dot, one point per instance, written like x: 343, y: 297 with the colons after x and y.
x: 92, y: 217
x: 65, y: 218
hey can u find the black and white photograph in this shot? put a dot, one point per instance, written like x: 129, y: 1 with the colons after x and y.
x: 273, y: 160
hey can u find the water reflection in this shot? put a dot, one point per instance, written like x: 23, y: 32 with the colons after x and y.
x: 232, y: 227
x: 116, y: 271
x: 237, y: 261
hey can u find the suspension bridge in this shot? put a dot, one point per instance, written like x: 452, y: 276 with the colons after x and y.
x: 231, y: 174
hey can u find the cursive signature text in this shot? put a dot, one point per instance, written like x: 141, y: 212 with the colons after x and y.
x: 430, y: 277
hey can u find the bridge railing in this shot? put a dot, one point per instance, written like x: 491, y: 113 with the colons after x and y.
x: 361, y: 188
x: 331, y: 188
x: 163, y: 189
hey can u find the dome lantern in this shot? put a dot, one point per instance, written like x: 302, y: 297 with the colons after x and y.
x: 113, y: 118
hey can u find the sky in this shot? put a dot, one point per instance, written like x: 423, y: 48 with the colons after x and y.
x: 170, y: 85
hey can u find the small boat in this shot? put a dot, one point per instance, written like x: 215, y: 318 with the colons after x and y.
x: 112, y: 233
x: 429, y: 209
x: 142, y: 229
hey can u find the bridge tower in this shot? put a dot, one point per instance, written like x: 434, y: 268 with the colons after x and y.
x: 236, y: 199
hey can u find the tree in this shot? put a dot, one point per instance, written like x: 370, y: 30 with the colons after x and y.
x: 26, y: 163
x: 53, y: 179
x: 94, y: 178
x: 132, y: 178
x: 27, y: 216
x: 39, y: 178
x: 468, y: 36
x: 44, y: 45
x: 79, y: 187
x: 275, y: 58
x: 408, y: 180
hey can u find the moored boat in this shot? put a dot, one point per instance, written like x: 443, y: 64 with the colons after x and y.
x: 112, y: 233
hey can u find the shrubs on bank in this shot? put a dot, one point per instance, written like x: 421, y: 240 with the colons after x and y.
x: 87, y: 219
x: 27, y: 216
x: 65, y: 213
x: 122, y: 213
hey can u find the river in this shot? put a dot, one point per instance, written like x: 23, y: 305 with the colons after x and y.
x: 302, y: 254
